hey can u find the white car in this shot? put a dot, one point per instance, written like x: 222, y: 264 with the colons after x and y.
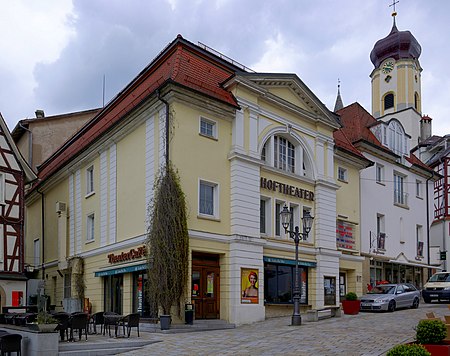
x: 389, y: 297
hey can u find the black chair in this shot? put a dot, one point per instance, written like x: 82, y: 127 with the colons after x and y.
x: 130, y: 321
x: 10, y: 343
x: 63, y: 324
x: 108, y: 322
x: 97, y: 319
x: 78, y: 321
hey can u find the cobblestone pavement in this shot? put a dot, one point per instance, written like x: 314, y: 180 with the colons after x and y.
x: 367, y: 333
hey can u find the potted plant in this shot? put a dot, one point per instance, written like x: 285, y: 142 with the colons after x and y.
x: 351, y: 304
x: 431, y: 334
x: 44, y: 323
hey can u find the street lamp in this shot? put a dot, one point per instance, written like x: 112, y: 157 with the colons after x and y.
x: 296, y: 235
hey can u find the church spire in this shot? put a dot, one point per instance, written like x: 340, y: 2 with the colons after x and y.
x: 338, y: 105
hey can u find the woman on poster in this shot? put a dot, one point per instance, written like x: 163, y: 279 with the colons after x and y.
x: 252, y: 290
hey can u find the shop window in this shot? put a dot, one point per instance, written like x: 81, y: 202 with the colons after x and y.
x: 279, y: 283
x: 113, y: 293
x: 329, y: 290
x: 141, y: 302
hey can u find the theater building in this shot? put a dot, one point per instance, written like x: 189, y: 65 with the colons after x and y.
x: 245, y: 144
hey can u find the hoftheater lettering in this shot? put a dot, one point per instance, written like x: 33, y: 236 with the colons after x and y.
x: 128, y: 256
x: 286, y: 189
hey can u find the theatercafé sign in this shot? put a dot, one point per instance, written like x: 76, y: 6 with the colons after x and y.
x: 286, y: 189
x: 133, y: 254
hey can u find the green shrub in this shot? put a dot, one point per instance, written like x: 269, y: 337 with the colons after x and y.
x: 408, y: 350
x: 351, y: 296
x: 430, y: 331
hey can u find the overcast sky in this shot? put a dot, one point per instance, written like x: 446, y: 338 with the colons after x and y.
x: 54, y: 53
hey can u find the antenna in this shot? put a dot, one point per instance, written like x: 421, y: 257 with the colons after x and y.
x: 103, y: 93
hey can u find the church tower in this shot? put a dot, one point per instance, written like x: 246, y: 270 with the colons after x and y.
x: 396, y: 80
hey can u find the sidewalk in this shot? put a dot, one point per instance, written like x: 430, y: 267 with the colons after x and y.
x: 366, y: 334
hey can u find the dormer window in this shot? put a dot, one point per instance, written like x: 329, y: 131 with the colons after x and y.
x: 398, y: 141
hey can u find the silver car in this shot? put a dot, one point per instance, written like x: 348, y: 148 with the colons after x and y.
x: 390, y: 297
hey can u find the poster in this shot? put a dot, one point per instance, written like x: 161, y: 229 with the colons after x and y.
x: 249, y: 286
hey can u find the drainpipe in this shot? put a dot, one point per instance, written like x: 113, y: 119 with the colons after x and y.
x: 42, y: 233
x: 428, y: 225
x: 167, y: 126
x: 30, y: 145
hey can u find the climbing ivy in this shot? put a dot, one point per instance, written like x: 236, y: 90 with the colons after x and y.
x: 168, y: 242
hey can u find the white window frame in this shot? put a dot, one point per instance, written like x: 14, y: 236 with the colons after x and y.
x: 400, y: 193
x: 90, y: 181
x: 419, y: 184
x: 379, y: 173
x: 214, y: 127
x: 342, y: 174
x: 90, y: 228
x: 215, y: 197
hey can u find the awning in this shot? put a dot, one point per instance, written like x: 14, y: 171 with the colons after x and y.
x: 413, y: 264
x: 121, y: 270
x: 284, y: 261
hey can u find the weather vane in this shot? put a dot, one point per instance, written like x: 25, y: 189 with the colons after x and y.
x: 394, y: 13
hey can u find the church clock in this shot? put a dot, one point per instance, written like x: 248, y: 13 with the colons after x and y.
x: 387, y: 67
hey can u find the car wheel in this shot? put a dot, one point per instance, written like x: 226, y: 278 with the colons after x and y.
x: 427, y: 300
x: 391, y: 306
x: 415, y: 303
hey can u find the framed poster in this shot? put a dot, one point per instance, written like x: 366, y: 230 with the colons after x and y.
x: 249, y: 286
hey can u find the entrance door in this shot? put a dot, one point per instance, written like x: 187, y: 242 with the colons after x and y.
x: 205, y: 292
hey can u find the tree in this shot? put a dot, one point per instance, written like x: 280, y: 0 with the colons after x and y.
x: 168, y: 242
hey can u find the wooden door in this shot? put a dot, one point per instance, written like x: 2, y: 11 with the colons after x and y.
x: 205, y: 291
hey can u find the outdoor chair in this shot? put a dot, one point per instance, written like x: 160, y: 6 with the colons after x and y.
x: 10, y: 343
x: 78, y: 321
x: 130, y: 321
x: 97, y: 319
x: 63, y: 324
x: 108, y: 322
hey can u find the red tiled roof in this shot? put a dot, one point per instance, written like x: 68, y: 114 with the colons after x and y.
x: 356, y: 122
x: 341, y: 140
x: 415, y: 161
x: 180, y: 62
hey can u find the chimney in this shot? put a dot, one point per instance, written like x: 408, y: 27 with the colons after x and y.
x: 425, y: 128
x: 39, y: 114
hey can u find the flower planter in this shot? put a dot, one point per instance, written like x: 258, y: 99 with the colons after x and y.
x: 43, y: 328
x: 351, y: 307
x: 442, y: 349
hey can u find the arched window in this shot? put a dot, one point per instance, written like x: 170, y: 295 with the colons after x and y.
x: 416, y: 101
x: 397, y: 138
x: 388, y: 101
x: 281, y: 153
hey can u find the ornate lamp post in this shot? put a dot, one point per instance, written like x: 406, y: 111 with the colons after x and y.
x: 296, y: 235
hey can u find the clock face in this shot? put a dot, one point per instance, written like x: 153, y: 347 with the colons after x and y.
x: 388, y: 67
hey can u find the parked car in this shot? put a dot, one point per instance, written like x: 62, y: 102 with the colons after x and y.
x: 389, y: 297
x: 437, y: 287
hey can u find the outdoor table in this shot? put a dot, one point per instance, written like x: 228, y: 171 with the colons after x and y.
x: 112, y: 320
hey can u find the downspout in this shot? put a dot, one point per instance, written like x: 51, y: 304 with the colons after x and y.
x: 42, y: 232
x: 30, y: 145
x: 428, y: 225
x: 167, y: 126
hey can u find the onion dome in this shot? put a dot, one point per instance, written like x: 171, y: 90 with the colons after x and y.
x: 397, y: 45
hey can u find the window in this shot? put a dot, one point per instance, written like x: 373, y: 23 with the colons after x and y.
x: 388, y: 101
x: 208, y: 197
x: 277, y: 219
x: 37, y: 252
x: 90, y: 226
x: 381, y: 235
x: 208, y: 128
x: 262, y: 217
x: 418, y: 189
x: 342, y: 174
x: 416, y: 101
x: 90, y: 180
x: 279, y: 283
x: 398, y: 141
x: 67, y: 285
x: 399, y: 190
x: 379, y: 173
x: 419, y: 240
x: 284, y: 154
x: 2, y: 188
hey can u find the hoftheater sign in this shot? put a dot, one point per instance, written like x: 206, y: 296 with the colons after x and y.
x: 286, y: 189
x: 133, y: 254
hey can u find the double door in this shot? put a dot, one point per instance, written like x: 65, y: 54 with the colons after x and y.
x: 205, y: 291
